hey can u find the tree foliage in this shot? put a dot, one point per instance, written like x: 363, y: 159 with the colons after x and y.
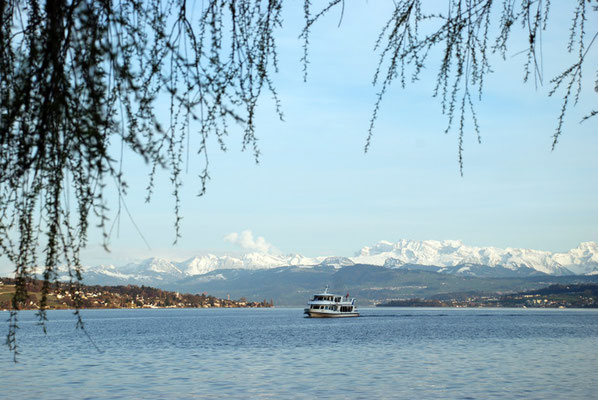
x: 466, y: 34
x: 78, y: 78
x: 81, y: 78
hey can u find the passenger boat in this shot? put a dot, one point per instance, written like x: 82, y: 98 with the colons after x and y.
x: 327, y: 305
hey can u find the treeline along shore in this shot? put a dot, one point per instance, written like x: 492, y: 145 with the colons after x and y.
x: 129, y: 296
x: 553, y: 296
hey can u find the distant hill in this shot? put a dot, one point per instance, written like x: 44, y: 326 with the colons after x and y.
x: 370, y: 284
x: 553, y: 296
x: 293, y: 286
x: 130, y: 296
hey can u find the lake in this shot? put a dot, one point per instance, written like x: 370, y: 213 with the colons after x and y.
x: 386, y: 353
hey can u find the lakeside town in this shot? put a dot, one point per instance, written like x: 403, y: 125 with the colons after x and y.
x: 65, y: 296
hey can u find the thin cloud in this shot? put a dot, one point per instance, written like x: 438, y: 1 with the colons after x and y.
x: 247, y: 241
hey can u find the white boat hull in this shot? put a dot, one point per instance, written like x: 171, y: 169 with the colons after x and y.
x: 329, y: 314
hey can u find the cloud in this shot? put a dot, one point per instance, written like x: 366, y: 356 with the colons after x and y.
x: 246, y: 240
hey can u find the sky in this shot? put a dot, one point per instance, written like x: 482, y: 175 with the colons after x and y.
x: 315, y: 191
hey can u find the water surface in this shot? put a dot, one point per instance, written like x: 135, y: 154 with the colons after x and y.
x: 277, y: 353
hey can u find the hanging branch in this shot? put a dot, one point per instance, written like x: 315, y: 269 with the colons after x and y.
x: 77, y: 76
x: 460, y: 35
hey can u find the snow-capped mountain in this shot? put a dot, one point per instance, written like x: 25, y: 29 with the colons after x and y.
x: 447, y: 256
x: 147, y: 271
x: 449, y: 253
x: 337, y: 262
x: 581, y: 260
x: 207, y: 263
x: 164, y: 270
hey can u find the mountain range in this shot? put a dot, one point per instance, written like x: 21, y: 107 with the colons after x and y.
x: 375, y: 273
x: 447, y: 256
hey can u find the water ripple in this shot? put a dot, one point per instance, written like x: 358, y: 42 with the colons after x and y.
x: 271, y: 354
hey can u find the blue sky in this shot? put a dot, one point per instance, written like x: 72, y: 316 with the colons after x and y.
x: 315, y: 192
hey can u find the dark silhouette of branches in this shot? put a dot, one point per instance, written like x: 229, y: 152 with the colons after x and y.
x: 77, y: 77
x: 81, y: 78
x: 460, y: 32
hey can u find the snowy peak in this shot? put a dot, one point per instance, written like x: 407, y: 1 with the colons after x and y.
x: 446, y: 256
x: 337, y: 262
x: 204, y: 264
x: 207, y: 263
x: 152, y: 266
x: 450, y: 253
x: 147, y: 271
x: 582, y: 260
x: 412, y: 246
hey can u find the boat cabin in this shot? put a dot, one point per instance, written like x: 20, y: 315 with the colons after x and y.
x: 327, y: 297
x: 326, y: 305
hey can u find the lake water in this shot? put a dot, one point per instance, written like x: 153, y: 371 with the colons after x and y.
x: 277, y: 353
